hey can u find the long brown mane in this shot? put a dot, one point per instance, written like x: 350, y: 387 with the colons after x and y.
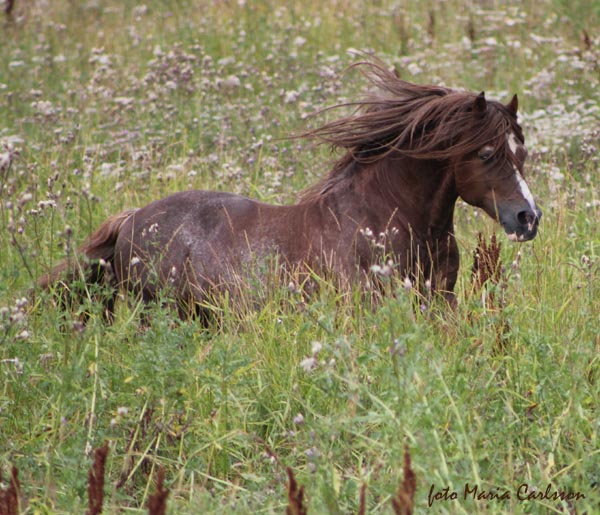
x: 411, y: 120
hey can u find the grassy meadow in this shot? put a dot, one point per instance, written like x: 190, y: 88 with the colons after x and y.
x: 107, y: 105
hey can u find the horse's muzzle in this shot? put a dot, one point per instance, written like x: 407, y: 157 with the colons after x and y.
x: 523, y: 225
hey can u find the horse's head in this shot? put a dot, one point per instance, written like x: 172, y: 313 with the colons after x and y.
x: 491, y: 175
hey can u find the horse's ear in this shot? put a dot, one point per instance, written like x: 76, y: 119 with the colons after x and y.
x: 513, y: 105
x: 480, y: 104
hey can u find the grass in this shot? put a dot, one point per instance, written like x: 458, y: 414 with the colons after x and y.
x: 110, y: 105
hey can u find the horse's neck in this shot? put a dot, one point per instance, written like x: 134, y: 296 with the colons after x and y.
x: 419, y: 193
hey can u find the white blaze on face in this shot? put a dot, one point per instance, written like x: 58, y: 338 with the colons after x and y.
x: 525, y: 190
x: 514, y: 145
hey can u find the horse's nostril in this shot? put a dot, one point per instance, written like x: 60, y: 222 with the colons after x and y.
x: 527, y: 217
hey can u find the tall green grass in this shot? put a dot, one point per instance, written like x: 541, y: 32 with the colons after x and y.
x: 109, y: 105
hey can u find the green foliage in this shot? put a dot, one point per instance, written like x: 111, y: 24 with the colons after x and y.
x: 108, y: 105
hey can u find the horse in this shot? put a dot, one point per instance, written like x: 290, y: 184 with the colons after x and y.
x: 409, y: 152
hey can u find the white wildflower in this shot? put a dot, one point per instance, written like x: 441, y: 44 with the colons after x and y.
x: 308, y: 364
x: 5, y: 160
x: 229, y: 83
x: 26, y: 197
x: 316, y: 348
x: 140, y: 10
x: 124, y: 101
x: 414, y: 69
x: 43, y: 107
x: 291, y: 96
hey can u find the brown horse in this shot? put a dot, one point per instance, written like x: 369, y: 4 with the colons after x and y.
x: 410, y: 152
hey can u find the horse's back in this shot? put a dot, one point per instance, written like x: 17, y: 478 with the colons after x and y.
x: 195, y: 210
x: 187, y: 240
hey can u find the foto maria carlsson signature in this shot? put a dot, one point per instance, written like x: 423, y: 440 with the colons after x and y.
x: 523, y: 492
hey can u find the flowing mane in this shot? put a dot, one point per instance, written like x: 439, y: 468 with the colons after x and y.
x: 411, y: 120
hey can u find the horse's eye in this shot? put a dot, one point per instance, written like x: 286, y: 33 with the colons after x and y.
x: 485, y: 153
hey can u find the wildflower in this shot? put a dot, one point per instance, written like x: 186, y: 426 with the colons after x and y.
x: 46, y: 358
x: 124, y: 101
x: 316, y: 348
x: 386, y: 270
x: 312, y: 454
x: 140, y: 10
x: 16, y: 362
x: 5, y: 160
x: 10, y: 150
x: 17, y: 316
x: 414, y: 69
x: 516, y: 264
x: 291, y: 96
x: 230, y: 83
x: 43, y: 204
x: 398, y: 348
x: 407, y: 284
x: 26, y: 197
x: 44, y: 107
x: 308, y: 364
x: 299, y: 419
